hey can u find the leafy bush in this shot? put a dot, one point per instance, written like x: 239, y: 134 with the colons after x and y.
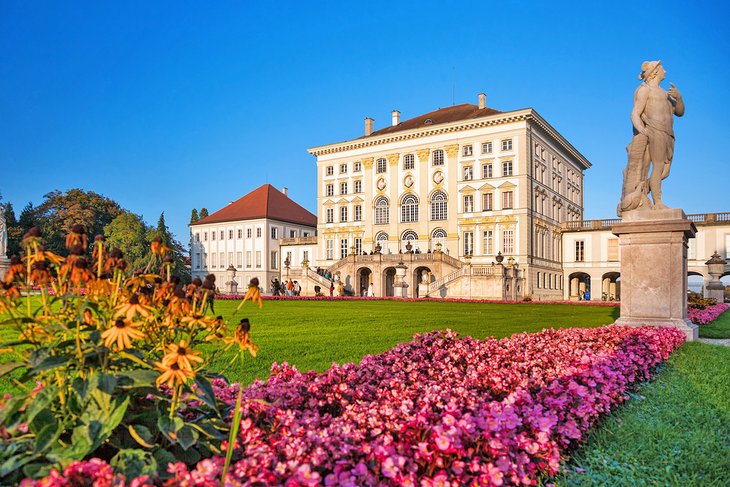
x: 696, y: 301
x: 116, y: 361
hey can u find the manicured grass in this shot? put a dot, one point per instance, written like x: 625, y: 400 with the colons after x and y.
x: 674, y: 431
x: 313, y: 334
x: 720, y: 328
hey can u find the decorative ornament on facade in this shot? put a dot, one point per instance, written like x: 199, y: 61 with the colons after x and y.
x: 438, y: 177
x: 368, y: 162
x: 499, y: 258
x: 409, y: 181
x: 381, y: 184
x: 393, y: 159
x: 423, y: 154
x: 452, y: 150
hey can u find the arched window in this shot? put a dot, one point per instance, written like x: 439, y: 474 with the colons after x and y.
x: 409, y: 162
x: 409, y: 209
x: 438, y: 206
x: 439, y: 233
x: 381, y: 236
x: 409, y: 235
x: 382, y: 210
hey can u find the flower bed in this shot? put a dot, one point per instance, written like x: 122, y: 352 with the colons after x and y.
x: 706, y: 315
x: 234, y: 297
x: 439, y: 410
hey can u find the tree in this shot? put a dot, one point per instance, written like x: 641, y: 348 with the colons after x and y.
x: 203, y: 213
x: 60, y: 211
x: 177, y: 250
x: 14, y: 232
x: 128, y: 233
x: 194, y: 216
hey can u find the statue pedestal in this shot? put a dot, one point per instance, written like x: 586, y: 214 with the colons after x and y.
x: 653, y: 245
x: 422, y: 290
x: 4, y: 264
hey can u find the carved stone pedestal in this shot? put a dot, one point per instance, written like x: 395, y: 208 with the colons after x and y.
x: 653, y: 245
x: 4, y: 264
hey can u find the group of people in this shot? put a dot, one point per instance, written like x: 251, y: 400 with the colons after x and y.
x: 288, y: 288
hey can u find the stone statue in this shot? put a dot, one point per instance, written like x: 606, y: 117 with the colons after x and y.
x: 424, y: 276
x: 652, y: 146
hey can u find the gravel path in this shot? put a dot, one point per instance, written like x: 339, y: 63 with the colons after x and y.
x: 715, y: 341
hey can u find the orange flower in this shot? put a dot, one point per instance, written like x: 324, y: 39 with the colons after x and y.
x: 243, y: 339
x: 15, y: 271
x: 132, y: 308
x: 122, y: 333
x: 198, y: 320
x: 40, y: 273
x: 182, y: 355
x: 173, y: 374
x: 253, y: 293
x: 77, y: 236
x: 158, y: 247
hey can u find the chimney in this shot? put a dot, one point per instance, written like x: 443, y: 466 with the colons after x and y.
x: 369, y: 123
x: 285, y: 191
x: 482, y: 101
x: 396, y: 117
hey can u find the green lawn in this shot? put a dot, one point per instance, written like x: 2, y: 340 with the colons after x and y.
x: 720, y: 328
x: 674, y: 431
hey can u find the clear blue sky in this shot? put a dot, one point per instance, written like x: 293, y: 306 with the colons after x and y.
x: 166, y: 106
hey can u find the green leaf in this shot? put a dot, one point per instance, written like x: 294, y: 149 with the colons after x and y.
x: 170, y: 427
x: 40, y: 402
x: 187, y: 437
x: 107, y: 383
x: 135, y: 359
x: 82, y: 387
x: 137, y: 378
x: 133, y: 463
x: 47, y: 436
x: 209, y: 430
x: 8, y: 367
x: 15, y: 462
x: 207, y: 395
x: 10, y: 407
x: 141, y: 435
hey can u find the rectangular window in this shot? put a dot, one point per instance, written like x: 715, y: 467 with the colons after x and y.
x: 330, y: 190
x: 343, y: 248
x: 258, y: 259
x: 508, y: 242
x: 357, y: 167
x: 343, y: 188
x: 343, y: 213
x: 293, y: 233
x: 507, y: 145
x: 468, y: 173
x: 466, y: 151
x: 248, y: 259
x: 507, y: 200
x: 381, y: 166
x: 205, y: 236
x: 409, y: 161
x: 274, y: 233
x: 213, y: 260
x: 507, y: 168
x: 212, y: 235
x: 288, y: 258
x: 197, y: 237
x: 358, y: 246
x: 248, y: 233
x: 230, y: 234
x: 487, y: 202
x: 358, y: 213
x: 197, y: 260
x: 222, y: 260
x: 487, y: 148
x: 258, y: 232
x: 305, y: 255
x: 468, y: 243
x: 343, y: 168
x: 486, y: 171
x: 579, y: 251
x: 330, y: 215
x: 239, y: 259
x: 330, y: 249
x: 230, y: 258
x: 222, y: 234
x: 613, y: 249
x: 438, y: 157
x: 488, y: 242
x: 240, y: 233
x: 274, y: 259
x: 357, y: 186
x: 330, y: 170
x: 468, y: 203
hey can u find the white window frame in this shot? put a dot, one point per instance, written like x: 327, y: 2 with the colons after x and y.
x: 409, y: 161
x: 467, y: 151
x: 468, y: 203
x: 439, y: 206
x: 409, y: 209
x: 486, y: 147
x: 506, y: 145
x: 382, y: 211
x: 381, y: 166
x: 330, y: 215
x: 438, y: 157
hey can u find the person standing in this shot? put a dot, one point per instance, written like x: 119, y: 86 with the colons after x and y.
x: 371, y: 290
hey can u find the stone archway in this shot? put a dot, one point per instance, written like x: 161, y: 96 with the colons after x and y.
x: 696, y: 282
x: 579, y: 283
x: 388, y: 281
x: 611, y: 286
x: 364, y: 277
x: 417, y: 277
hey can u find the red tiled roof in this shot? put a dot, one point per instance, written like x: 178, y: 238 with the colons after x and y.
x: 263, y: 202
x: 465, y: 111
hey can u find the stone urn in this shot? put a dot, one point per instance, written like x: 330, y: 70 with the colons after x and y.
x: 499, y: 258
x: 715, y: 288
